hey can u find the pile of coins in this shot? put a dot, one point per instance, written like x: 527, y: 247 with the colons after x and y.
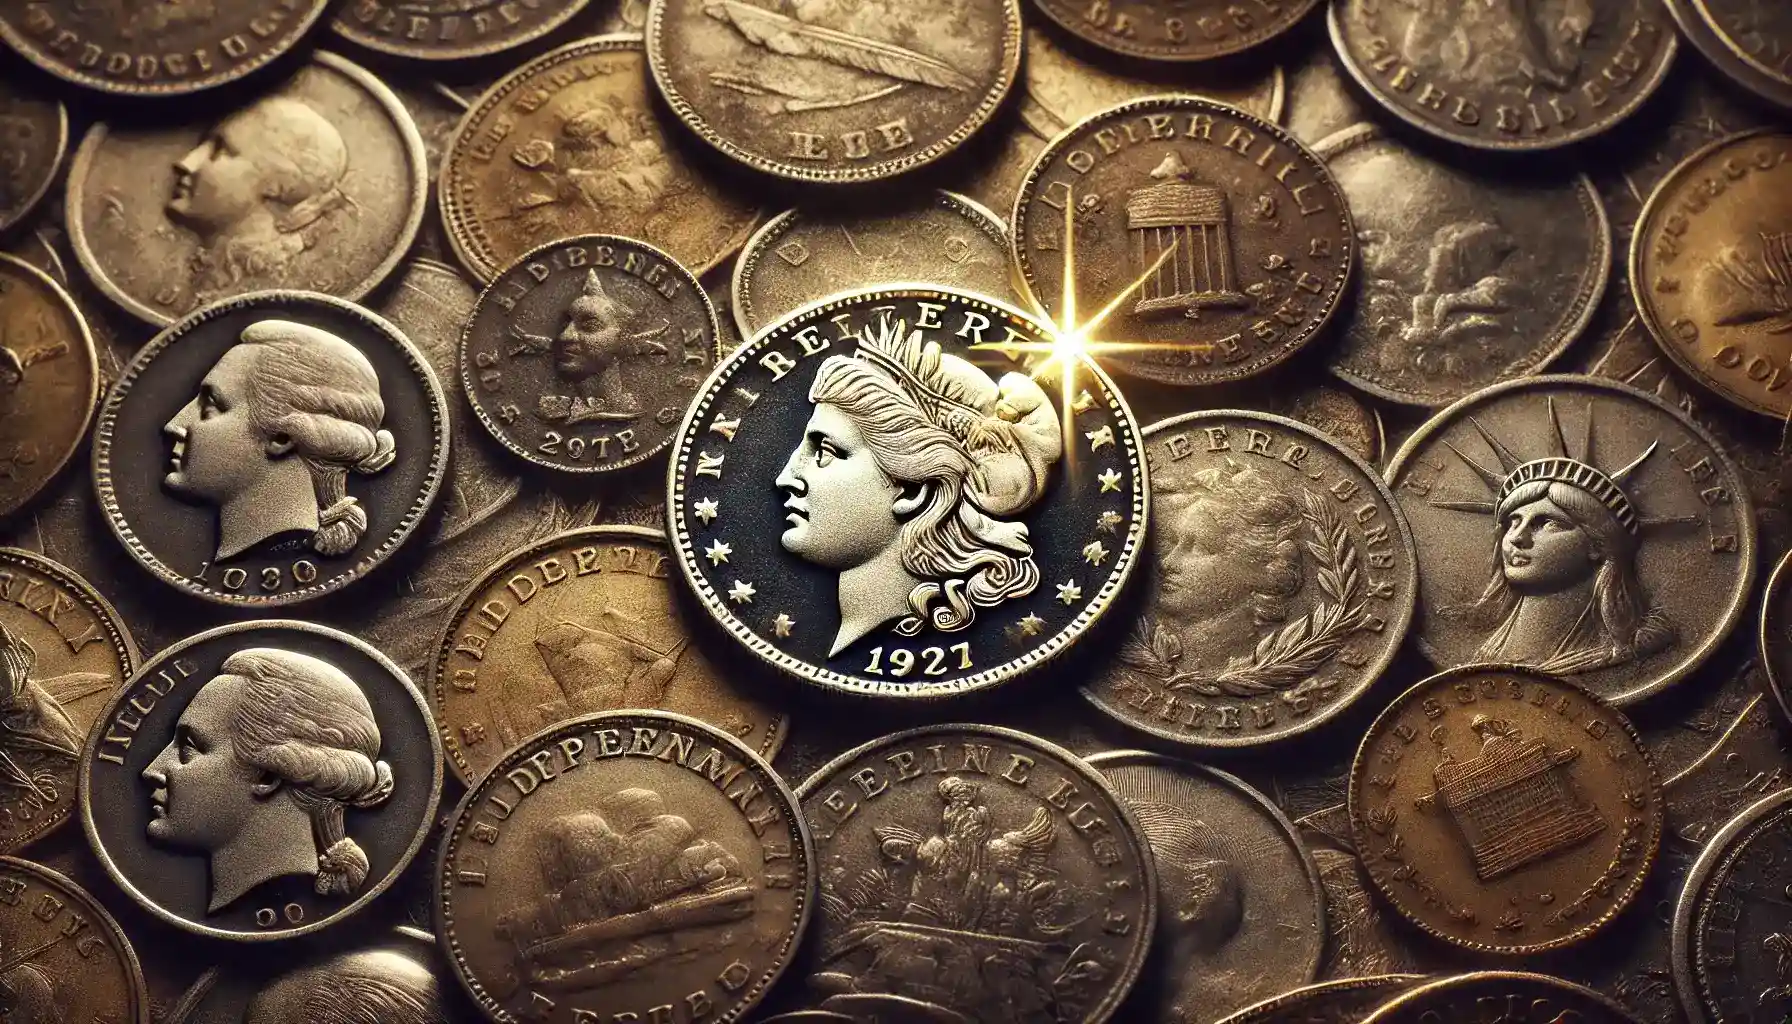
x: 895, y: 511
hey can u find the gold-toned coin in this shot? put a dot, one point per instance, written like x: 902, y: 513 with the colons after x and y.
x: 62, y: 957
x: 1505, y: 811
x: 49, y: 381
x: 457, y: 30
x: 1345, y: 1001
x: 1176, y: 30
x: 33, y: 140
x: 834, y: 92
x: 1749, y: 41
x: 1516, y: 997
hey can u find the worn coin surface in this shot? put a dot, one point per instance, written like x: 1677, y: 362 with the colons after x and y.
x: 905, y: 513
x: 1339, y: 414
x: 629, y: 862
x: 63, y: 653
x: 1505, y: 811
x: 49, y: 381
x: 64, y: 957
x: 583, y: 355
x: 1346, y: 1001
x: 973, y: 873
x: 451, y: 30
x: 1467, y: 279
x: 1578, y: 526
x: 1706, y: 265
x: 1241, y: 912
x: 1224, y: 243
x: 1506, y: 76
x: 1515, y: 996
x: 1733, y: 918
x: 318, y: 184
x: 1281, y: 582
x: 1177, y: 30
x: 830, y: 91
x: 1775, y: 648
x: 571, y: 144
x: 1749, y: 41
x: 33, y: 139
x: 261, y: 780
x: 224, y: 455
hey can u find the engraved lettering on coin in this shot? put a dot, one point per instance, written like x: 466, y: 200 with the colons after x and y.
x: 49, y: 381
x: 1732, y: 930
x: 33, y: 139
x: 446, y: 30
x: 396, y: 979
x: 1176, y: 30
x: 63, y: 958
x: 1522, y: 998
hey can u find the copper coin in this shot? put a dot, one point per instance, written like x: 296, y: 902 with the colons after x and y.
x: 1337, y: 413
x: 319, y: 184
x: 1224, y: 244
x: 164, y: 48
x: 1505, y: 811
x: 1578, y: 526
x: 33, y: 139
x: 1706, y: 260
x: 583, y: 355
x: 1505, y: 76
x: 456, y: 30
x: 1177, y: 30
x: 1775, y: 650
x: 1346, y: 1001
x: 1468, y: 279
x: 49, y: 381
x: 1732, y: 918
x: 830, y: 91
x: 672, y: 875
x: 580, y: 622
x: 1749, y: 41
x: 64, y: 957
x: 1282, y: 582
x: 1518, y: 998
x: 974, y: 873
x: 571, y: 144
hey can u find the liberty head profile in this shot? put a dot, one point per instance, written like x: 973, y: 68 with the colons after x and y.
x: 1230, y: 558
x: 368, y: 986
x: 907, y: 480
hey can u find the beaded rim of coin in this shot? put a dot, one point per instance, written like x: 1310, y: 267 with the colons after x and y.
x: 194, y: 997
x: 1699, y: 25
x: 1778, y: 584
x: 89, y: 351
x: 1114, y: 42
x: 97, y: 916
x: 1390, y: 1012
x: 1691, y: 901
x: 347, y: 29
x: 403, y: 125
x: 121, y: 389
x: 29, y: 205
x: 1277, y: 1010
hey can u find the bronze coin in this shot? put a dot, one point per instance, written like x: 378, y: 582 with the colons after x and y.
x: 460, y: 30
x: 672, y: 875
x: 64, y: 958
x: 583, y: 355
x: 834, y: 92
x: 49, y: 381
x: 1468, y: 279
x: 1749, y: 41
x: 1346, y: 1001
x: 1502, y: 76
x: 974, y: 874
x: 166, y: 48
x: 1775, y: 650
x: 33, y: 139
x: 1337, y: 413
x: 571, y: 144
x: 1176, y: 30
x: 319, y: 184
x: 1224, y: 244
x: 1505, y: 811
x: 1706, y: 260
x: 1578, y: 526
x: 1282, y: 581
x: 1516, y: 997
x: 1732, y: 919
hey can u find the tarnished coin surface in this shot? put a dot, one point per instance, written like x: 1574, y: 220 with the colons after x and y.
x: 33, y: 139
x: 974, y: 873
x: 1732, y: 919
x: 1281, y: 582
x: 1749, y: 41
x: 1340, y: 415
x: 1776, y: 637
x: 63, y: 653
x: 1520, y: 997
x: 270, y: 449
x: 1578, y: 526
x: 1176, y: 30
x: 799, y: 256
x: 872, y: 498
x: 1241, y: 913
x: 1225, y: 242
x: 583, y: 355
x: 262, y: 780
x: 1346, y: 1001
x: 452, y: 30
x: 631, y: 862
x: 64, y: 958
x: 319, y: 184
x: 1706, y: 262
x: 1505, y: 811
x: 49, y: 381
x: 571, y: 144
x: 1467, y: 279
x: 1506, y: 76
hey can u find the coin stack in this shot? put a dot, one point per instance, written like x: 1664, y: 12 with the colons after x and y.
x: 895, y: 511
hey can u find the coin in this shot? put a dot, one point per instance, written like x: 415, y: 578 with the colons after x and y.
x: 33, y: 137
x: 1320, y: 101
x: 1709, y: 249
x: 319, y: 184
x: 1241, y: 913
x: 1504, y: 76
x: 1732, y: 918
x: 583, y: 355
x: 1339, y: 415
x: 1518, y: 997
x: 1775, y: 649
x: 672, y: 876
x: 1175, y: 30
x: 1468, y: 279
x: 1281, y: 585
x: 799, y: 257
x: 1505, y: 811
x: 1746, y: 40
x: 1346, y: 1001
x: 271, y: 404
x: 63, y: 652
x: 262, y: 780
x: 974, y: 873
x: 1577, y: 526
x: 64, y: 958
x: 463, y: 30
x: 49, y: 381
x: 908, y: 515
x: 1224, y: 243
x: 831, y: 91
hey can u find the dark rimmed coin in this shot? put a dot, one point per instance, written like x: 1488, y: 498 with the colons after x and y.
x: 1518, y: 997
x: 33, y: 139
x: 1748, y: 41
x: 271, y: 448
x: 637, y: 861
x: 63, y: 958
x: 49, y: 381
x: 1176, y: 30
x: 261, y: 781
x: 456, y: 30
x: 1346, y: 1001
x: 1733, y: 918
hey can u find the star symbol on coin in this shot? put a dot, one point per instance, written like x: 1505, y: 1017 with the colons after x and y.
x: 1103, y: 438
x: 1109, y: 521
x: 1110, y: 481
x: 1032, y: 625
x: 782, y: 625
x: 741, y: 592
x: 1069, y: 592
x: 707, y: 510
x: 1096, y: 552
x: 1084, y: 402
x: 718, y: 552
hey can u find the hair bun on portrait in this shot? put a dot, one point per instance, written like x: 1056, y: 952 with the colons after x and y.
x: 379, y: 792
x: 385, y: 451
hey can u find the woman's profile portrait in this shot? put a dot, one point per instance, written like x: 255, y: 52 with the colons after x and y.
x: 265, y: 763
x: 1230, y: 558
x: 369, y: 986
x: 277, y: 426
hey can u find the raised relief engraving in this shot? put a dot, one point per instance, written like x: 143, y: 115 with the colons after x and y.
x: 352, y: 988
x: 1183, y: 228
x: 29, y: 994
x: 37, y: 738
x: 608, y: 155
x: 592, y: 356
x: 1522, y: 44
x: 1750, y: 285
x: 1446, y: 302
x: 1203, y: 890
